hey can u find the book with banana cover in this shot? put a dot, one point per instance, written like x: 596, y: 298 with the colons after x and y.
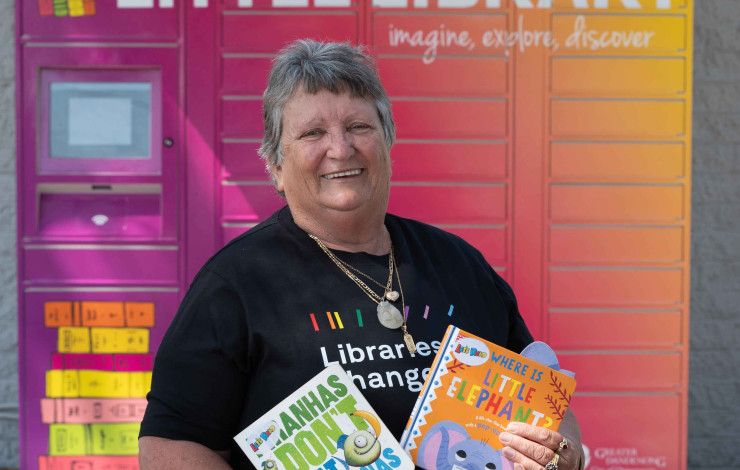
x: 325, y: 424
x: 474, y: 389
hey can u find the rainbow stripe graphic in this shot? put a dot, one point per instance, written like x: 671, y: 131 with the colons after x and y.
x: 335, y: 322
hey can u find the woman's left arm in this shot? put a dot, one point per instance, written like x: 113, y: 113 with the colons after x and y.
x: 533, y: 447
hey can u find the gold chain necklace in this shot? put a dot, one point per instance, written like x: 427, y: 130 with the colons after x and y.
x: 388, y: 314
x: 388, y: 292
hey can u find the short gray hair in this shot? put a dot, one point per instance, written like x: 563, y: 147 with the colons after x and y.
x: 316, y: 66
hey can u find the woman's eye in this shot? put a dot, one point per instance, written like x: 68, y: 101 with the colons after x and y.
x: 358, y: 126
x: 312, y: 133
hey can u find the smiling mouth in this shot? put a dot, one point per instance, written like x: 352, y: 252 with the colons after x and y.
x: 342, y: 174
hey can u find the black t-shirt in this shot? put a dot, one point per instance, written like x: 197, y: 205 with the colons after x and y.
x: 271, y: 310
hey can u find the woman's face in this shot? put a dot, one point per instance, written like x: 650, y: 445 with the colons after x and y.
x: 334, y: 155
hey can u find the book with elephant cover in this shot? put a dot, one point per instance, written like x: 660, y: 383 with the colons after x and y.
x: 473, y: 390
x: 325, y: 424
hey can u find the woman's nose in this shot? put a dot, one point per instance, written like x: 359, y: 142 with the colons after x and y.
x: 341, y: 145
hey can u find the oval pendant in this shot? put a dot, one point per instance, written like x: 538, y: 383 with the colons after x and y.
x: 389, y: 316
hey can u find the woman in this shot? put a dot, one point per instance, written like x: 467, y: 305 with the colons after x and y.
x: 324, y: 279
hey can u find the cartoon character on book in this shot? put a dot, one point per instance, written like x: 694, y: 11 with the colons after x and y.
x: 361, y: 448
x: 448, y: 446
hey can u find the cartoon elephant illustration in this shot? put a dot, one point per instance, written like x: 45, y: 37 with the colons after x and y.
x: 448, y: 446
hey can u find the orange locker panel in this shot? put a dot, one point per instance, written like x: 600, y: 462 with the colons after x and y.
x: 619, y: 7
x: 616, y: 161
x: 616, y: 203
x: 625, y: 245
x: 615, y: 329
x: 633, y: 34
x: 602, y: 76
x: 616, y: 286
x: 573, y: 118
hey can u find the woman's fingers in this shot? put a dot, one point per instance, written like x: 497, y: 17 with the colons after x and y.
x: 544, y: 436
x: 530, y: 454
x: 532, y: 447
x: 520, y: 460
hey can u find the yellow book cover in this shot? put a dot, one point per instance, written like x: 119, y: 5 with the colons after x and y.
x: 473, y: 390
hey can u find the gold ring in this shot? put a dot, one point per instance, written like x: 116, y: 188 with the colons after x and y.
x: 553, y: 464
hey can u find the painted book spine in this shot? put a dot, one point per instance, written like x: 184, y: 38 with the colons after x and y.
x: 92, y: 410
x: 88, y: 462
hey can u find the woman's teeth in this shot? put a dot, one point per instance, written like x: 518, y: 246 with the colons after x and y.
x: 341, y: 174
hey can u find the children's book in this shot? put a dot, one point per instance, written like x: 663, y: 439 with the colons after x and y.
x: 326, y: 424
x: 474, y: 389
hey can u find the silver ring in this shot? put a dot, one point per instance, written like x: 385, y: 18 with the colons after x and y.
x: 563, y: 445
x: 553, y: 464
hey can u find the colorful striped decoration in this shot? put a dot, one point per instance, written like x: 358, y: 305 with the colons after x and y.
x: 46, y: 8
x: 99, y: 375
x: 61, y: 8
x: 331, y: 321
x: 73, y: 8
x: 313, y: 321
x: 339, y: 320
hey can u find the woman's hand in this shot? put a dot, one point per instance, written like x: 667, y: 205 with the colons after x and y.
x: 533, y: 447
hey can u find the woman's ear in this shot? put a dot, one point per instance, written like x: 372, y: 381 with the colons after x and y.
x: 276, y: 171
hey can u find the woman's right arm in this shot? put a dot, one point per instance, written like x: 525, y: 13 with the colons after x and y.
x: 156, y: 453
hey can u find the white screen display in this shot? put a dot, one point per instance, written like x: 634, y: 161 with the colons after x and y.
x: 100, y: 121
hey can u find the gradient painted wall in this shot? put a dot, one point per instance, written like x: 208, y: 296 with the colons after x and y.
x: 553, y: 135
